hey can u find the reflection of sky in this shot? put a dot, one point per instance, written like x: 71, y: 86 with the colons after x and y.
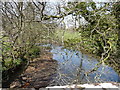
x: 70, y: 60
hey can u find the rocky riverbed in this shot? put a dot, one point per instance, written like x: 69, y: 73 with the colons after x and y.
x: 38, y: 74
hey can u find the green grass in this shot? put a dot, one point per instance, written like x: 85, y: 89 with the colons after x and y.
x: 67, y: 35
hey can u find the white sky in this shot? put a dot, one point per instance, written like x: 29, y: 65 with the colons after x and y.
x: 70, y: 22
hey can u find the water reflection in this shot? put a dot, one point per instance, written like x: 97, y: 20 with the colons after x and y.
x: 73, y: 66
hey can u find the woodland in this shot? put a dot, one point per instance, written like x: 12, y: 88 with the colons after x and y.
x: 90, y: 27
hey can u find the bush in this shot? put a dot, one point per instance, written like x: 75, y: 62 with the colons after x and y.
x: 33, y: 52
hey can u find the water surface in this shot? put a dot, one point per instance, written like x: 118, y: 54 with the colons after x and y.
x: 74, y: 64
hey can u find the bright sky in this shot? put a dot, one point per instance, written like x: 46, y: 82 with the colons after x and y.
x: 70, y: 21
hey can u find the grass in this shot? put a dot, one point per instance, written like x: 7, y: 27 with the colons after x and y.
x: 67, y: 35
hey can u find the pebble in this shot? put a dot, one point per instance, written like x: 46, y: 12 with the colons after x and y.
x: 24, y: 78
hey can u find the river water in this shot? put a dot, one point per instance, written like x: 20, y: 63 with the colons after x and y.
x: 73, y: 65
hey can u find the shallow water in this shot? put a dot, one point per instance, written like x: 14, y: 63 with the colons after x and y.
x: 73, y: 65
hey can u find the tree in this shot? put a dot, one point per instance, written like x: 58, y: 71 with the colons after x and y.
x: 22, y: 29
x: 98, y: 25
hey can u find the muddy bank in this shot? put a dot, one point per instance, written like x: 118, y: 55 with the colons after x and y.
x: 39, y: 73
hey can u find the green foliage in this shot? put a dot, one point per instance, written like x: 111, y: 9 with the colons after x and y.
x: 33, y: 52
x: 24, y: 47
x: 9, y: 63
x: 17, y: 49
x: 99, y: 35
x: 116, y: 13
x: 81, y: 5
x: 71, y: 42
x: 12, y: 57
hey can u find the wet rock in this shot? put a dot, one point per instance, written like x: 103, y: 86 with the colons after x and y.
x: 24, y: 78
x: 15, y: 84
x: 30, y: 69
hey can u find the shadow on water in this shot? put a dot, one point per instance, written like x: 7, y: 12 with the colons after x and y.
x: 73, y: 66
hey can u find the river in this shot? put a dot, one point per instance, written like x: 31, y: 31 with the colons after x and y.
x: 73, y: 65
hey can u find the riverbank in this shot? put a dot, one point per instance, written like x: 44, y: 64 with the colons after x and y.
x: 38, y: 74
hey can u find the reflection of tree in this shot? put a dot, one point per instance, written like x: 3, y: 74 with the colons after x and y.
x: 79, y: 71
x: 82, y: 77
x: 71, y: 73
x: 64, y: 78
